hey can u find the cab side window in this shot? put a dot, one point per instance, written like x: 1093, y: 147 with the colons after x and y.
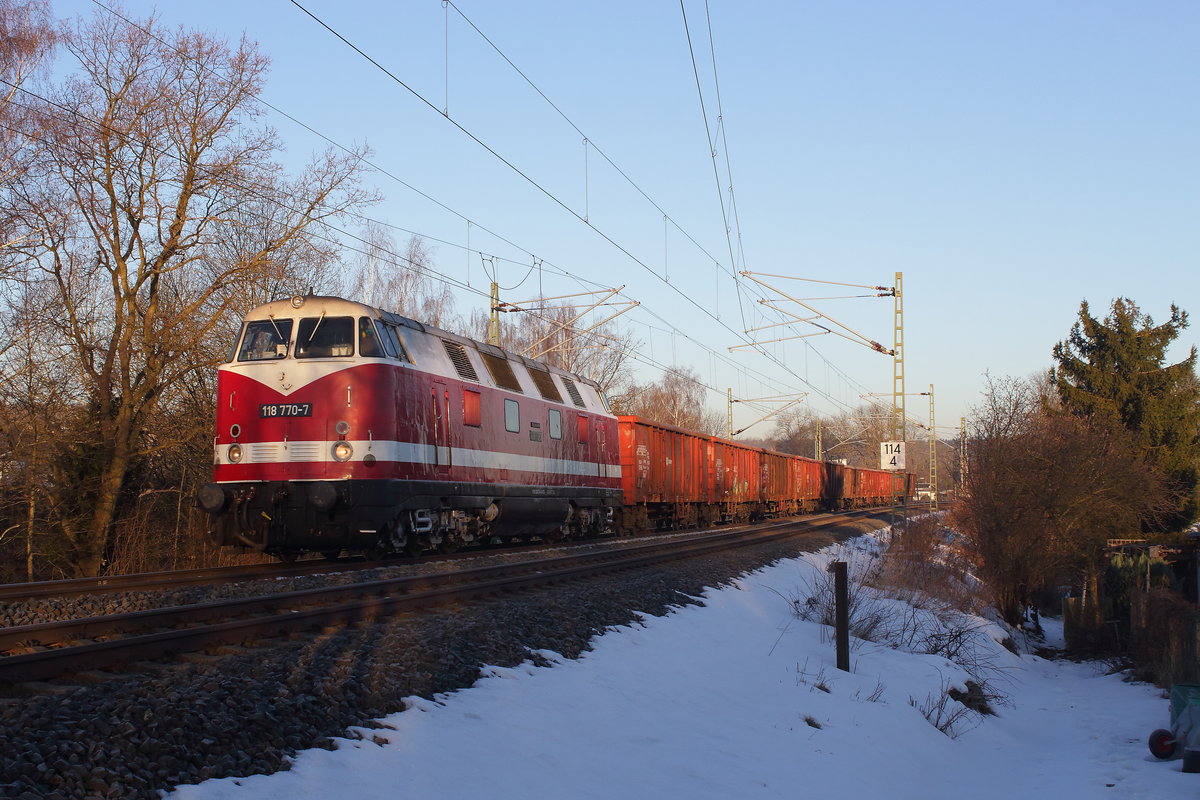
x: 388, y: 343
x: 393, y: 342
x: 368, y: 343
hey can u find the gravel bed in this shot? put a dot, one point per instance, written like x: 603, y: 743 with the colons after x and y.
x: 248, y: 711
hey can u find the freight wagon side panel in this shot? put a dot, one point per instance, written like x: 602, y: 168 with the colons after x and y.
x: 635, y: 459
x: 778, y: 479
x: 807, y: 483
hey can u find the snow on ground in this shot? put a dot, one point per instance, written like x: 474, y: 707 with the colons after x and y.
x: 716, y: 702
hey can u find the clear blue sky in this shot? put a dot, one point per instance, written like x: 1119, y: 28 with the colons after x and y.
x: 1010, y: 159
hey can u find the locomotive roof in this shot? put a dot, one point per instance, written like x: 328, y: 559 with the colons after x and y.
x: 341, y: 306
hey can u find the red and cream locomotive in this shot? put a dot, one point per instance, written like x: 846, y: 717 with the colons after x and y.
x: 344, y: 427
x: 341, y: 426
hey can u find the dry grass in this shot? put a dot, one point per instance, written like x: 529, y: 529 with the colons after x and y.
x: 919, y: 595
x: 926, y: 565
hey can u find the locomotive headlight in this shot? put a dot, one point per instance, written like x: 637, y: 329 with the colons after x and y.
x: 235, y: 453
x: 342, y: 451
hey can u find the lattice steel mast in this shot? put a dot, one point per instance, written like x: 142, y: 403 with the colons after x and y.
x: 933, y: 476
x: 899, y: 481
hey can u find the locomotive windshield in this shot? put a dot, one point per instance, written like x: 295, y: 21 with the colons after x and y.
x: 265, y: 339
x: 325, y: 337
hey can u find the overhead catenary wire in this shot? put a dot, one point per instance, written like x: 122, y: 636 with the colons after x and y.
x: 551, y: 195
x: 590, y: 143
x: 712, y: 48
x: 740, y: 367
x: 716, y: 171
x: 666, y: 217
x: 344, y: 237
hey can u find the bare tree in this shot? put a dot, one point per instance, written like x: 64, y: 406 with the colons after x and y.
x: 149, y: 164
x: 855, y: 436
x: 796, y: 432
x: 1045, y: 493
x: 402, y: 280
x: 39, y: 397
x: 559, y: 334
x: 678, y: 399
x: 28, y: 36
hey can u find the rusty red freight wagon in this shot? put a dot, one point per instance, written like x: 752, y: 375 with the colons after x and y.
x: 676, y: 478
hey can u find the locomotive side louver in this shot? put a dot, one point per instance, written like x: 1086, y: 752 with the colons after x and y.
x: 462, y: 364
x: 545, y: 384
x: 573, y: 390
x: 502, y: 372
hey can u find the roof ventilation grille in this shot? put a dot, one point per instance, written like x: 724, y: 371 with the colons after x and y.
x: 462, y: 364
x: 573, y: 390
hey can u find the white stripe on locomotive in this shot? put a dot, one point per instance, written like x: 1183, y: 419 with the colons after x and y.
x: 416, y: 453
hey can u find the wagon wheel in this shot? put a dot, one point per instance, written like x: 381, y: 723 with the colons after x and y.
x: 1163, y: 744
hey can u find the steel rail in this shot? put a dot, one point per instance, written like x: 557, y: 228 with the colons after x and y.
x: 69, y: 587
x: 145, y: 581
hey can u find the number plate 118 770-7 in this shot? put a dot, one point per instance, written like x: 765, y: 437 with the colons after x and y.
x: 285, y: 410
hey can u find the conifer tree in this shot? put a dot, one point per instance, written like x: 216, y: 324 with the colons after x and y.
x: 1113, y: 373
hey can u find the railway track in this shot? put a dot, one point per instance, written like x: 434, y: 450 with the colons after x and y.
x: 155, y: 581
x: 71, y: 587
x: 51, y: 650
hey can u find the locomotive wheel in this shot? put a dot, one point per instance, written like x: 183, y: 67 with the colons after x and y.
x: 376, y: 553
x: 1163, y: 744
x: 392, y: 541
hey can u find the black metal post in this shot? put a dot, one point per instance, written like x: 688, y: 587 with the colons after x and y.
x: 841, y: 595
